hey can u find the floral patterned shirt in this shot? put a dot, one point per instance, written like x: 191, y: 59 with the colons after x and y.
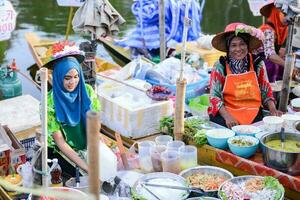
x: 217, y: 81
x: 53, y: 124
x: 268, y: 45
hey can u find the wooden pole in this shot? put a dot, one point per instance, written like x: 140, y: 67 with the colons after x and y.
x: 181, y: 82
x: 69, y: 22
x: 288, y: 70
x: 44, y: 86
x: 162, y: 30
x: 179, y: 109
x: 93, y: 127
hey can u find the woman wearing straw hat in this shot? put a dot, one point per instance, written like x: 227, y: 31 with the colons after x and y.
x: 238, y: 88
x: 68, y: 102
x: 275, y: 31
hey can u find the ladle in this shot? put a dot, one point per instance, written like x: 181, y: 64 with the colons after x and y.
x: 282, y: 138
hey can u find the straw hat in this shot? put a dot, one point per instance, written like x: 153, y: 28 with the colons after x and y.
x: 61, y: 50
x: 256, y: 36
x: 265, y: 10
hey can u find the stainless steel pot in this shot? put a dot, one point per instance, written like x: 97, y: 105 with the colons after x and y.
x: 286, y: 162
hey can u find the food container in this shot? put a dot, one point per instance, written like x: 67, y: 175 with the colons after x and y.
x: 218, y: 137
x: 209, y: 170
x: 155, y: 153
x: 273, y: 124
x: 69, y: 191
x: 163, y: 178
x: 175, y: 145
x: 287, y: 162
x: 295, y: 104
x: 188, y: 157
x: 243, y: 145
x: 144, y: 155
x: 289, y: 122
x: 246, y: 130
x: 238, y: 185
x: 163, y: 139
x: 170, y: 161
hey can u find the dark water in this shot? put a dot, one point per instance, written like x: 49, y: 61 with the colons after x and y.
x: 47, y: 19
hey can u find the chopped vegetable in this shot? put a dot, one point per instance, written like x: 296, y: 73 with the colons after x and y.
x: 200, y: 137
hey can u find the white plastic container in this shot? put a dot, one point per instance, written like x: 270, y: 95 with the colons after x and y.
x: 273, y: 124
x: 108, y: 163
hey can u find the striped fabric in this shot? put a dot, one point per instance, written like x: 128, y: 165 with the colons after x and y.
x: 146, y: 32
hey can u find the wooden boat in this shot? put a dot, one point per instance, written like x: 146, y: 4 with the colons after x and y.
x: 119, y: 54
x: 39, y: 47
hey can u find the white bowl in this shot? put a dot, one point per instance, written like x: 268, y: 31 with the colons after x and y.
x: 295, y: 103
x: 273, y: 123
x: 246, y: 130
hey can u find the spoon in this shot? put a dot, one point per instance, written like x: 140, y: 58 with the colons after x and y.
x: 282, y: 137
x: 77, y: 178
x: 190, y: 189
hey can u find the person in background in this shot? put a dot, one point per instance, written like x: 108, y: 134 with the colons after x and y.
x: 275, y: 31
x: 68, y: 102
x: 238, y: 87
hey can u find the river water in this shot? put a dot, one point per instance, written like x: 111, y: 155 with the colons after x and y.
x: 47, y: 19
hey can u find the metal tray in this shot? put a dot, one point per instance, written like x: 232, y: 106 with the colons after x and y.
x: 139, y: 190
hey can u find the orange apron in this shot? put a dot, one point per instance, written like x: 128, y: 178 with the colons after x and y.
x: 242, y: 96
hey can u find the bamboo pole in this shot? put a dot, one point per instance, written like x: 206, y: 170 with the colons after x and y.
x: 181, y: 82
x: 179, y: 109
x: 93, y: 127
x: 69, y: 22
x: 162, y: 30
x: 44, y: 87
x: 288, y: 70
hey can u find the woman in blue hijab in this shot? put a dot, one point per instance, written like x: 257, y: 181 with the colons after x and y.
x: 68, y: 102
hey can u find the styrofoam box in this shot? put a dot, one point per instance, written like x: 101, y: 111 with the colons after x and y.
x: 128, y: 121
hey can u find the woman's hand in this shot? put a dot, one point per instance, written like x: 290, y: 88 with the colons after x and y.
x: 230, y: 121
x: 273, y: 109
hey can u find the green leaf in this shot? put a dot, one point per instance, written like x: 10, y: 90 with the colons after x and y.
x: 273, y: 184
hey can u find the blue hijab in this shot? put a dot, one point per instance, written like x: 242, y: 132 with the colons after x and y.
x: 70, y: 107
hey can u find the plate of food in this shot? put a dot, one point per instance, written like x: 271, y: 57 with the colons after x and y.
x: 159, y: 93
x: 252, y: 188
x: 207, y: 178
x: 143, y: 190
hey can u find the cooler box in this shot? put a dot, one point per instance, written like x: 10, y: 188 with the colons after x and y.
x: 129, y: 121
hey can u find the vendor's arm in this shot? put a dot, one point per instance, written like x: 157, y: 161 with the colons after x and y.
x: 65, y: 148
x: 266, y: 90
x: 269, y: 48
x: 217, y: 80
x: 230, y: 121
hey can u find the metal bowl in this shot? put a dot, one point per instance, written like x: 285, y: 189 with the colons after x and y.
x: 287, y: 162
x: 138, y: 189
x: 240, y: 180
x: 207, y: 170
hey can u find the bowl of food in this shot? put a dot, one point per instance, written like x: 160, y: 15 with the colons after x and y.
x: 207, y: 178
x: 246, y: 130
x: 295, y: 104
x: 243, y: 146
x: 142, y: 189
x: 203, y: 198
x: 218, y: 137
x: 252, y: 188
x: 284, y: 158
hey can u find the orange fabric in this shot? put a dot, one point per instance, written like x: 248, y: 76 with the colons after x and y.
x: 281, y: 31
x: 242, y: 96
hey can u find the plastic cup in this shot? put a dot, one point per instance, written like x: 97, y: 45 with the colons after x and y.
x: 144, y: 155
x: 175, y: 145
x: 155, y: 153
x: 188, y: 156
x: 163, y: 139
x: 170, y: 161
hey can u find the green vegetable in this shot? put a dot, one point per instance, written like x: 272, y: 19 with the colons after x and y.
x: 135, y: 196
x: 273, y: 184
x: 223, y: 195
x: 166, y: 125
x: 200, y: 137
